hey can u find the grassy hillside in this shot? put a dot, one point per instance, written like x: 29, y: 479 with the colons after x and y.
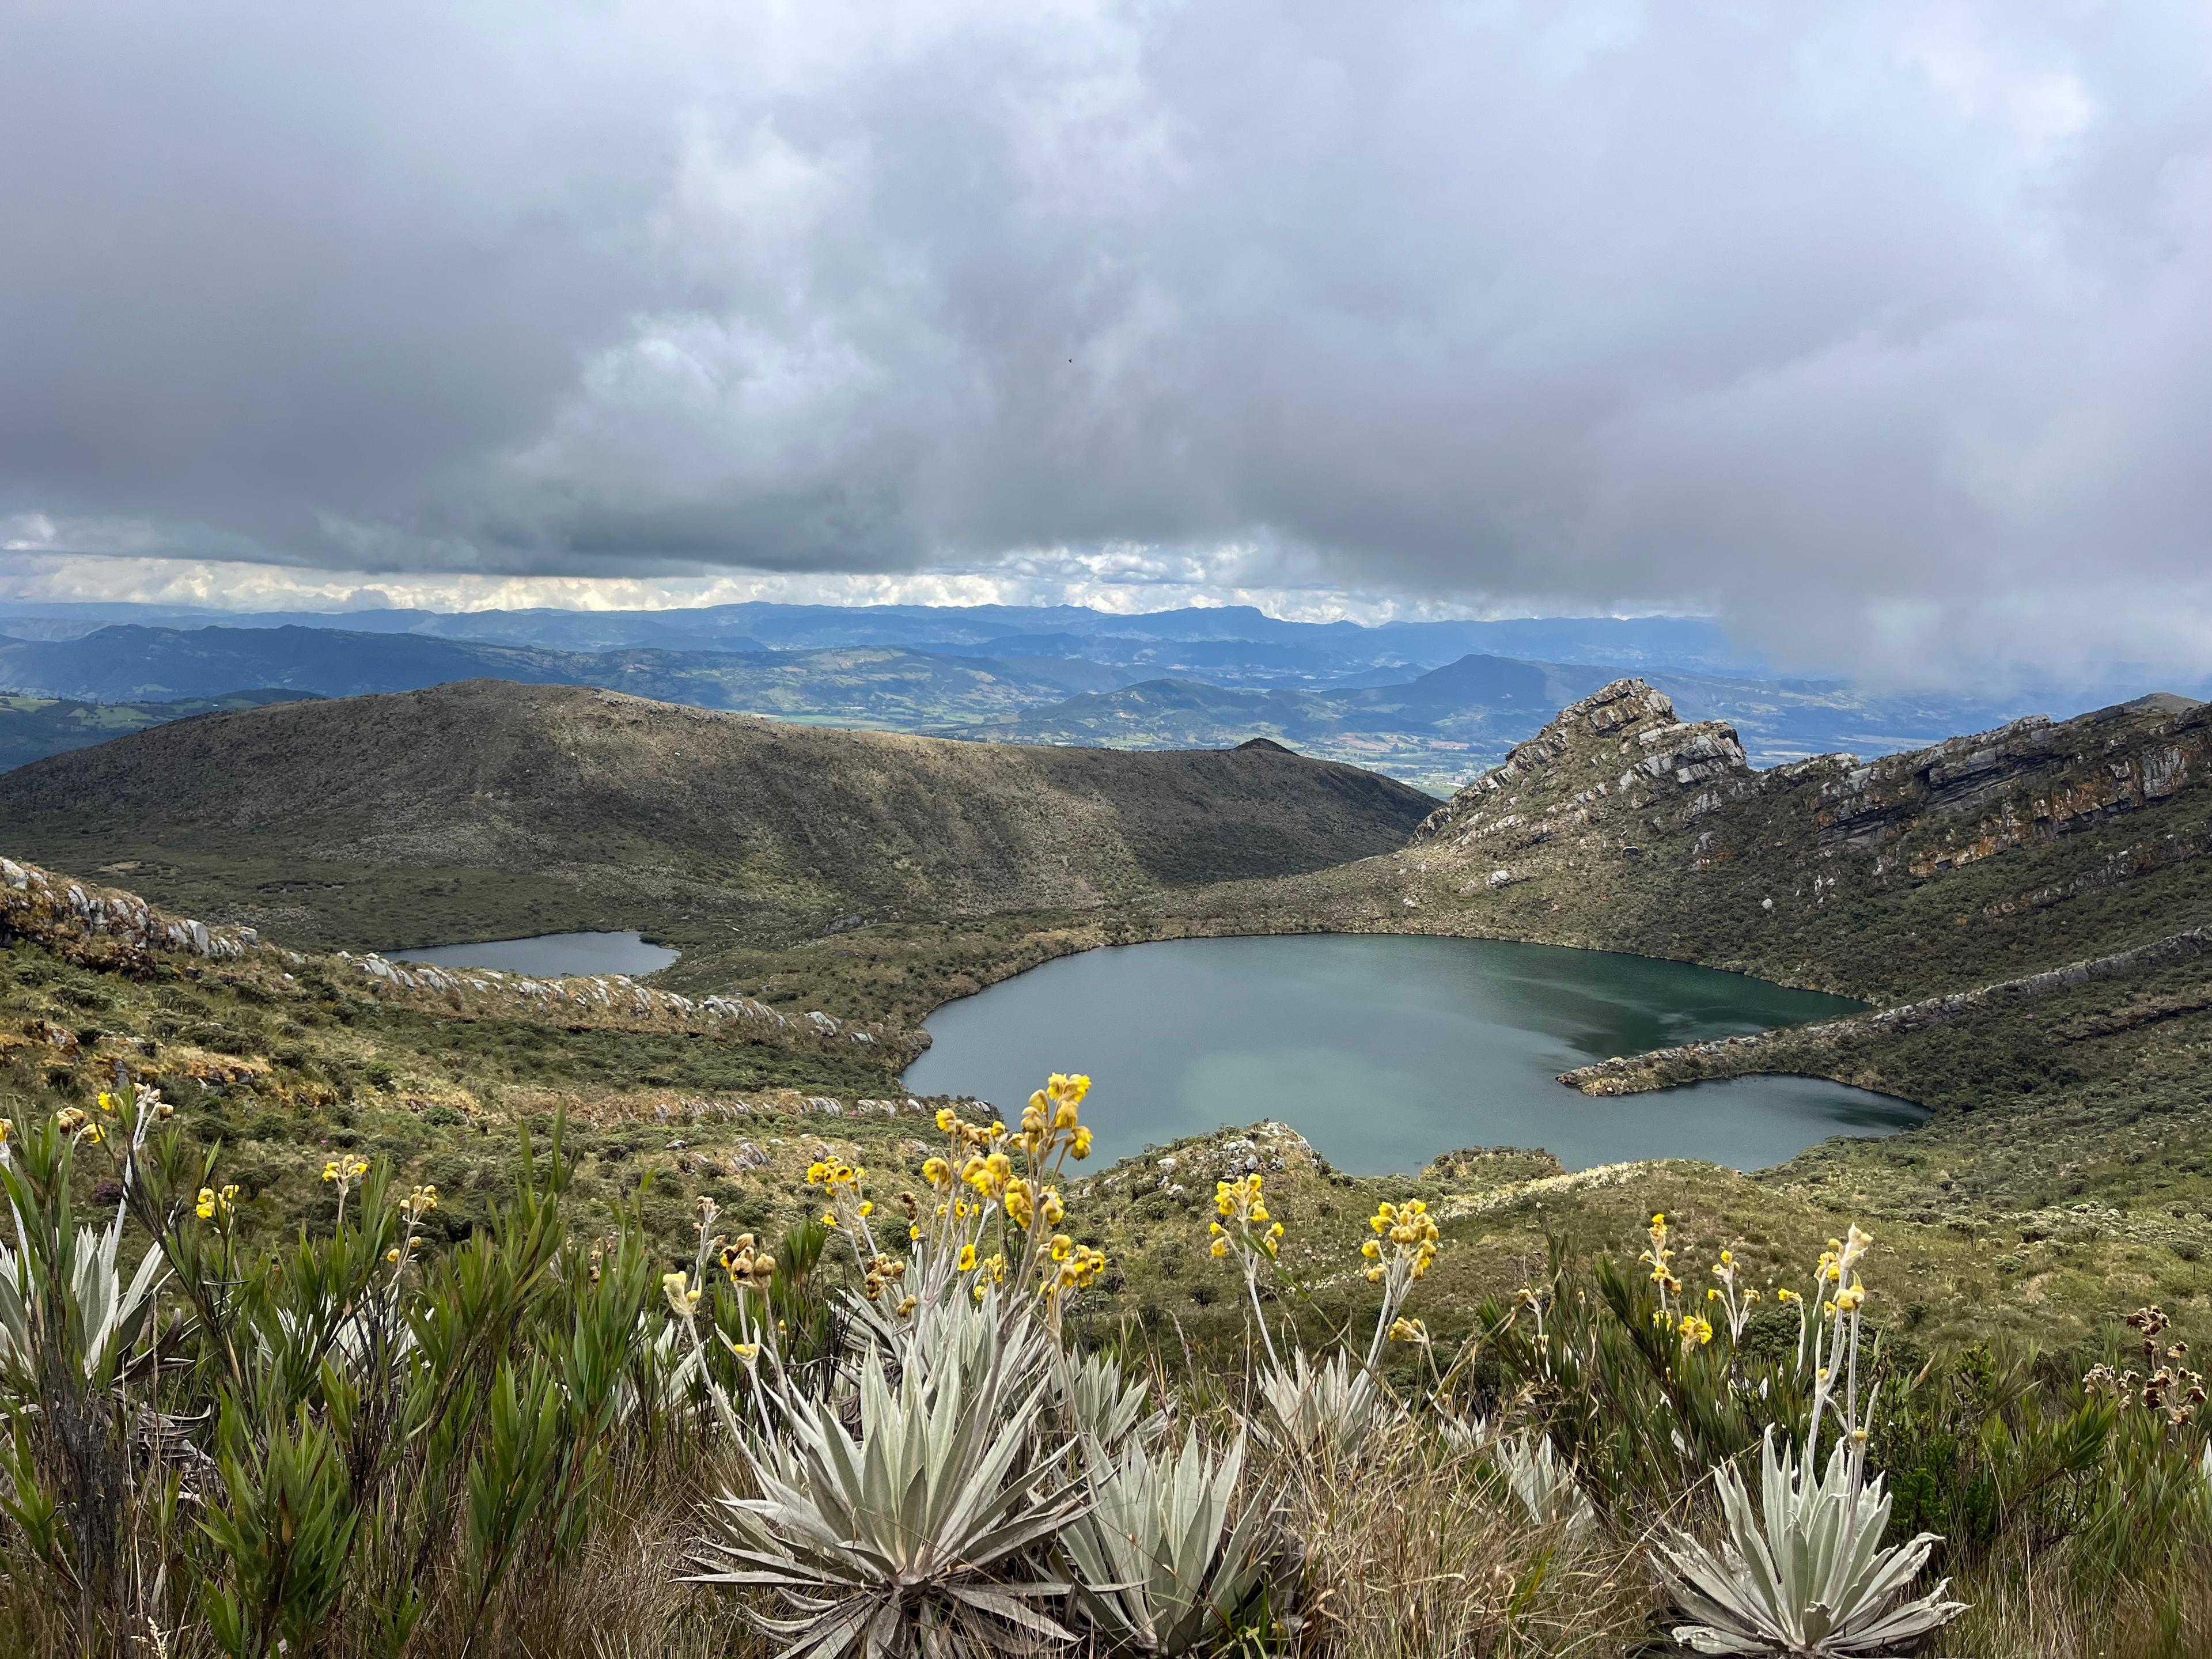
x: 485, y: 810
x: 873, y: 876
x: 32, y: 728
x: 2064, y: 1178
x: 1360, y: 696
x: 1621, y: 827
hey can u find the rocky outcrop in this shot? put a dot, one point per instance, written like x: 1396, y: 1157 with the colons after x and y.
x: 1621, y: 826
x: 106, y: 927
x: 1619, y: 752
x: 1957, y: 803
x: 1737, y: 1056
x: 2033, y: 779
x: 95, y: 924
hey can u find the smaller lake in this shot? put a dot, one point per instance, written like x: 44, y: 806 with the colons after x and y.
x: 550, y: 954
x: 1386, y: 1051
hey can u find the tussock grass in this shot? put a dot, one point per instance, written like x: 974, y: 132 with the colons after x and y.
x: 1415, y: 1552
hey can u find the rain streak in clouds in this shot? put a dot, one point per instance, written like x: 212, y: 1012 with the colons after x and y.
x: 1886, y: 331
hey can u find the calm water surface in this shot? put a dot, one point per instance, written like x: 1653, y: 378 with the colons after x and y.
x: 550, y: 954
x: 1385, y: 1051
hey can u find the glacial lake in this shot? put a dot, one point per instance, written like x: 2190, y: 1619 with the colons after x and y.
x: 550, y: 954
x: 1386, y: 1051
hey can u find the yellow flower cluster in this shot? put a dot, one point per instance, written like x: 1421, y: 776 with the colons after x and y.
x: 1241, y: 1204
x: 749, y: 1269
x: 967, y: 1134
x: 345, y: 1169
x: 1051, y: 1115
x: 1410, y: 1232
x: 1660, y: 1259
x: 213, y: 1203
x: 1736, y: 1301
x: 983, y: 1167
x: 833, y: 1177
x: 1074, y: 1267
x: 991, y: 1270
x: 683, y: 1295
x: 1835, y: 1267
x: 883, y: 1272
x: 988, y: 1174
x: 1695, y: 1331
x: 1024, y: 1205
x: 73, y: 1121
x: 420, y: 1202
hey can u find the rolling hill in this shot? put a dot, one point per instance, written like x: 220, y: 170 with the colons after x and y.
x: 485, y: 808
x: 1371, y: 698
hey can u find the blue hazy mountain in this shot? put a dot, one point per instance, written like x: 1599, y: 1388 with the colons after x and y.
x: 1408, y: 699
x: 1193, y: 639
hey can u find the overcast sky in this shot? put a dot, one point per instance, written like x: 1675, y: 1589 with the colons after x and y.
x: 1884, y: 331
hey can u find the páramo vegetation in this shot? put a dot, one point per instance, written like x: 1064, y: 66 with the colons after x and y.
x: 882, y: 1433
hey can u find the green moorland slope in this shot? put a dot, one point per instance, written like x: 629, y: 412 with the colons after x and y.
x: 2067, y: 1167
x: 277, y: 1060
x: 2059, y: 1033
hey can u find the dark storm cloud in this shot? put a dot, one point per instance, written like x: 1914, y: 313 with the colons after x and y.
x: 1886, y: 329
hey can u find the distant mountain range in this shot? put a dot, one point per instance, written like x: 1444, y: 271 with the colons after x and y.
x: 1431, y: 703
x: 1198, y: 643
x: 888, y: 686
x: 1439, y: 728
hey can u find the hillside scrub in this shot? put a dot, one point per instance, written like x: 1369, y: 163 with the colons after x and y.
x: 887, y: 1432
x: 1502, y: 1475
x: 537, y: 809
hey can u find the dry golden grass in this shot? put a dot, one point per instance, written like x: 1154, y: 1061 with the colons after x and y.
x: 1413, y: 1552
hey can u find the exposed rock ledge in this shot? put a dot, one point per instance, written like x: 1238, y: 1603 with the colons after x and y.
x: 1736, y: 1056
x: 110, y: 928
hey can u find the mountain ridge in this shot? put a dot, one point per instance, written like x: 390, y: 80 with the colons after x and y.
x: 1621, y: 826
x: 385, y: 821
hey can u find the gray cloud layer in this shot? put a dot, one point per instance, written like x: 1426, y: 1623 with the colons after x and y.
x: 1878, y: 327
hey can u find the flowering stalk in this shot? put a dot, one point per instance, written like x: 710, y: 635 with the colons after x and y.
x: 1660, y: 1260
x: 1827, y: 1333
x: 1736, y: 1301
x: 993, y: 1212
x: 2171, y: 1390
x: 1402, y: 1251
x: 1247, y: 1229
x: 342, y: 1172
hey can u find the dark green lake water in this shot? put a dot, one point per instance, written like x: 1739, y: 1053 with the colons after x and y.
x: 1385, y: 1051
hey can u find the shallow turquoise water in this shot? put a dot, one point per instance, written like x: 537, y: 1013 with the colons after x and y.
x: 550, y: 954
x: 1385, y: 1051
